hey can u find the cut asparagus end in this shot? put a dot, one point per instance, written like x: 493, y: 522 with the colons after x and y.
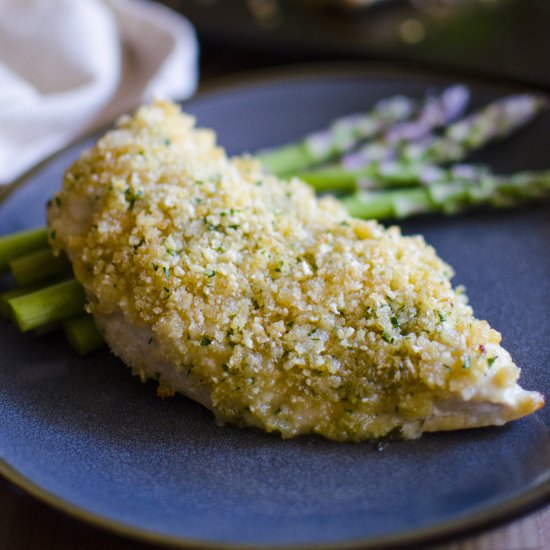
x: 5, y: 308
x: 17, y: 244
x: 83, y: 334
x: 54, y: 303
x: 37, y: 266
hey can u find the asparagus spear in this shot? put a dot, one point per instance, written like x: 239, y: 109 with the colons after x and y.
x: 373, y: 166
x: 5, y: 297
x: 20, y: 243
x: 83, y: 334
x: 343, y: 134
x: 495, y: 121
x: 436, y: 112
x: 54, y: 303
x: 38, y: 265
x: 389, y: 174
x: 446, y: 197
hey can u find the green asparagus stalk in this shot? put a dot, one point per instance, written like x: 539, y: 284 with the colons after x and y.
x: 37, y: 266
x: 449, y: 198
x: 53, y: 303
x: 375, y: 175
x: 5, y: 297
x: 83, y: 334
x: 436, y: 112
x: 336, y: 179
x: 493, y: 122
x: 368, y: 169
x: 20, y: 243
x: 342, y: 135
x: 389, y: 174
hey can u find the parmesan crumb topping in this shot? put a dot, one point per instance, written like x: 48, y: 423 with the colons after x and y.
x: 290, y: 315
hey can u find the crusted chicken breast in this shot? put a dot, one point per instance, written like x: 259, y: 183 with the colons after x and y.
x: 267, y: 305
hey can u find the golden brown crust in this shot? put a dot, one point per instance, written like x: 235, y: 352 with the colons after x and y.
x: 286, y: 313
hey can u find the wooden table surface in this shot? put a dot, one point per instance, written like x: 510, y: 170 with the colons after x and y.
x: 26, y: 524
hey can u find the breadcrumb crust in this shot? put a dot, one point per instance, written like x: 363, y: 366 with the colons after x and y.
x: 289, y: 314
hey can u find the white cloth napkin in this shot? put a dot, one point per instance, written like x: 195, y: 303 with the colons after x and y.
x: 67, y: 66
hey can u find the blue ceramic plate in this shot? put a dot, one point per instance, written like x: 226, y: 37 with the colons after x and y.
x: 84, y: 435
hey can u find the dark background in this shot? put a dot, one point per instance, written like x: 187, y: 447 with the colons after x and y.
x: 507, y: 38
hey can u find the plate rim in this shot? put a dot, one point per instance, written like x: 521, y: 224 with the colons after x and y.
x: 469, y: 525
x: 473, y: 523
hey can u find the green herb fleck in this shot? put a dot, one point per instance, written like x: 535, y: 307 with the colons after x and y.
x: 210, y: 274
x: 132, y: 197
x: 491, y: 360
x: 395, y: 322
x: 386, y: 337
x: 205, y: 341
x: 166, y: 271
x: 441, y: 316
x: 136, y: 246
